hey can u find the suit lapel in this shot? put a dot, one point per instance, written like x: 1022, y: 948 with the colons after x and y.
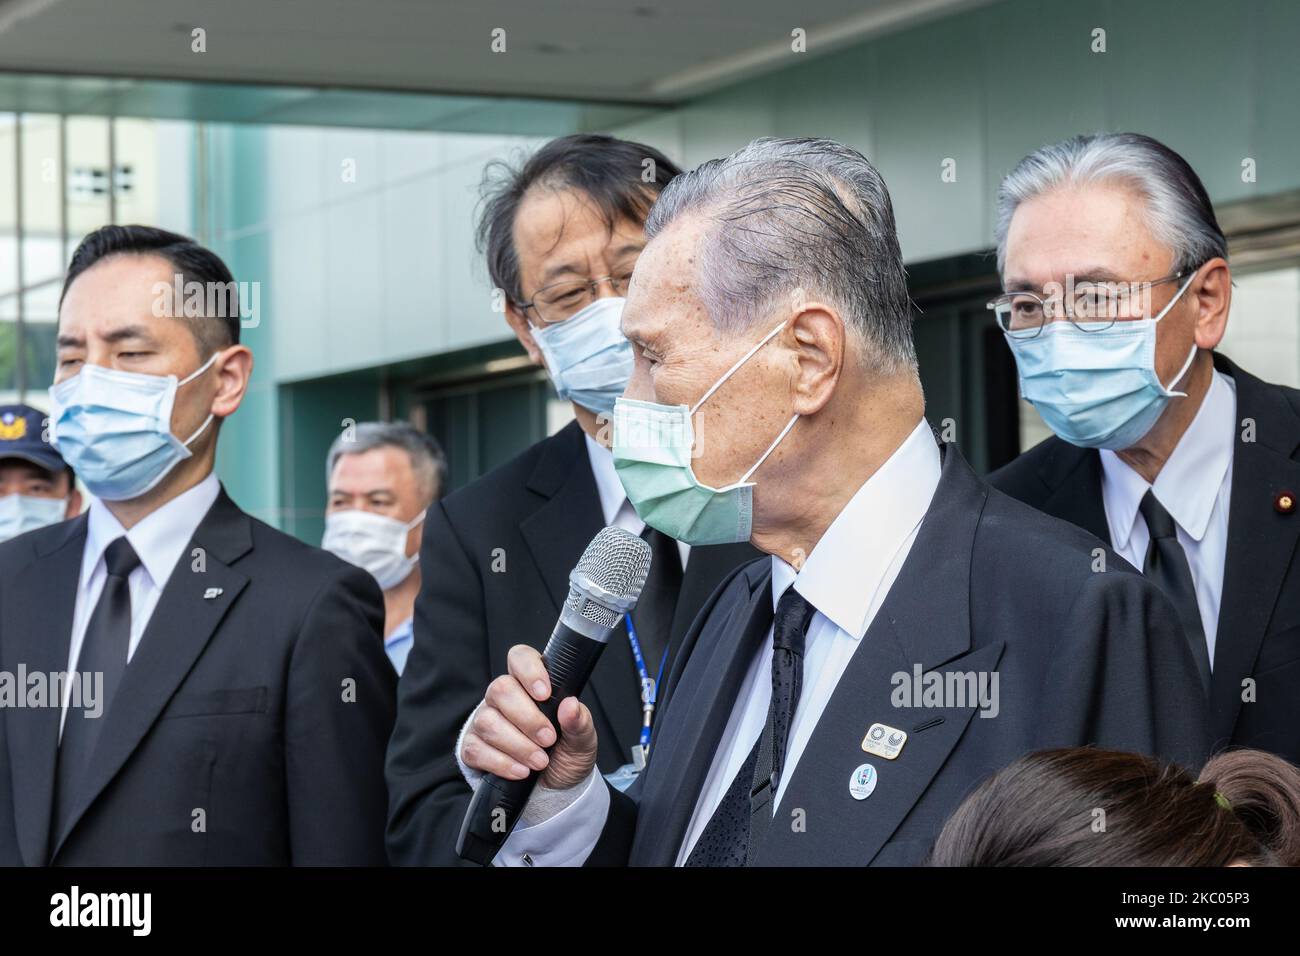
x: 556, y: 535
x: 179, y: 629
x: 701, y: 708
x: 706, y: 566
x: 924, y: 623
x: 1261, y: 541
x: 1074, y: 476
x: 39, y: 631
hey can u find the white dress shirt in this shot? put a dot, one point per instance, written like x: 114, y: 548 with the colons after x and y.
x: 159, y: 540
x: 846, y: 578
x: 1195, y: 487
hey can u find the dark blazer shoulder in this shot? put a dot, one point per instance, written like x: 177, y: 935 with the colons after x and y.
x: 541, y: 467
x: 1034, y: 544
x: 19, y: 552
x: 299, y: 573
x: 1028, y: 476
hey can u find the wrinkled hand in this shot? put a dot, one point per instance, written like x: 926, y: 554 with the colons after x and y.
x: 509, y: 731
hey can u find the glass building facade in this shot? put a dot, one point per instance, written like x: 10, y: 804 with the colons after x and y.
x: 352, y: 214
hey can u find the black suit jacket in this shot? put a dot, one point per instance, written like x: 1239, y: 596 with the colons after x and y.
x: 988, y: 586
x: 232, y: 705
x: 1259, y: 616
x: 496, y: 557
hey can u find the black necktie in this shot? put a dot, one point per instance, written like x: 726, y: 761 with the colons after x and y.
x: 103, y: 651
x: 1166, y: 565
x: 653, y: 614
x: 725, y: 841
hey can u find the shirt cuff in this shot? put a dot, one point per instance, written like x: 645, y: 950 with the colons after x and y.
x: 558, y: 827
x: 472, y: 776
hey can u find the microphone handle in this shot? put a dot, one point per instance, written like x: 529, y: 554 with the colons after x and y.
x: 497, y: 803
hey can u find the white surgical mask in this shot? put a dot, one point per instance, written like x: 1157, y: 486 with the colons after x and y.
x: 114, y: 429
x: 1097, y: 386
x: 22, y: 513
x: 652, y: 455
x: 372, y: 541
x: 589, y: 359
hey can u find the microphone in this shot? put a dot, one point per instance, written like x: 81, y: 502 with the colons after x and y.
x: 602, y: 588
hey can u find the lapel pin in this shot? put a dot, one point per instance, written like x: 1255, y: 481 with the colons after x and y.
x: 884, y: 741
x: 211, y: 593
x: 863, y: 781
x: 1284, y: 503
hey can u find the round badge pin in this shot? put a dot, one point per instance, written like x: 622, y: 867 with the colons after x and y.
x: 863, y: 781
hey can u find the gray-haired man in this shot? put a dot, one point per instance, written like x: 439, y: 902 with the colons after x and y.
x: 1118, y: 291
x: 823, y: 708
x: 382, y: 477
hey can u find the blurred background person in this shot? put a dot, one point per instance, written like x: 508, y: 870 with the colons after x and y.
x: 382, y: 477
x: 241, y: 698
x: 37, y: 488
x: 1184, y: 462
x: 1080, y: 806
x: 562, y: 233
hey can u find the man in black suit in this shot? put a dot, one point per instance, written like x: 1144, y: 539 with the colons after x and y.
x: 562, y: 234
x: 1186, y: 464
x: 912, y: 631
x: 231, y: 699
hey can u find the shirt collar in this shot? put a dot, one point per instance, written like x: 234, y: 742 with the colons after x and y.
x: 403, y: 631
x: 1188, y: 484
x: 159, y: 539
x: 608, y: 487
x: 845, y: 570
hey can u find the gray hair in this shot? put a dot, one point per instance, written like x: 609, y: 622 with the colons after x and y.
x: 1179, y: 212
x: 427, y: 458
x: 788, y: 214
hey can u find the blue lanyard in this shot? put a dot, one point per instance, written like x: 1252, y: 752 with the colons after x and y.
x: 649, y: 690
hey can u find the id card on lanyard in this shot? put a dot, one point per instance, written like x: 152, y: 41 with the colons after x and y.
x: 624, y: 776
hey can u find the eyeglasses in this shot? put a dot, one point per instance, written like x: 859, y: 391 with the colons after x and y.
x: 1089, y: 306
x: 559, y: 301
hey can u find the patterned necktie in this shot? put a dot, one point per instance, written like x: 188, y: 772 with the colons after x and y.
x: 103, y: 651
x: 725, y: 840
x: 1166, y: 566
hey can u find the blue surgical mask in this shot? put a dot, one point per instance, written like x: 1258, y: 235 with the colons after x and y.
x: 113, y: 428
x: 653, y: 445
x: 22, y: 513
x: 587, y: 355
x: 1096, y: 386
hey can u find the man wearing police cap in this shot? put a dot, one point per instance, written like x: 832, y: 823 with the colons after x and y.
x: 37, y: 488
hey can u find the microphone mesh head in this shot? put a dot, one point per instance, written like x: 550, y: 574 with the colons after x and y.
x: 616, y: 561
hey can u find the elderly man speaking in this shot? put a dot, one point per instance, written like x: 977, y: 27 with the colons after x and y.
x: 913, y: 629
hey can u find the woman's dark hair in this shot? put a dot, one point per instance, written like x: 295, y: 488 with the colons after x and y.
x: 1086, y: 807
x: 621, y: 178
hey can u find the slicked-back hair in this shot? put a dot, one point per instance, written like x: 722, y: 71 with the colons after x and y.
x: 612, y: 173
x: 783, y: 215
x: 1178, y: 209
x: 192, y: 262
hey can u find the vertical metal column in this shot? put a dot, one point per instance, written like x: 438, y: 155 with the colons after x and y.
x: 20, y: 343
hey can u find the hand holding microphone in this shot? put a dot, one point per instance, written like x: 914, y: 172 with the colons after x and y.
x: 509, y: 733
x: 512, y: 736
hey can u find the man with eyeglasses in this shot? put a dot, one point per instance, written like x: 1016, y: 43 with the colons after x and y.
x: 562, y: 233
x: 1118, y: 292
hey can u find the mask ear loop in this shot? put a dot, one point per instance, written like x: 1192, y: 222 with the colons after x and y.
x: 198, y: 371
x: 770, y: 448
x: 1169, y: 389
x: 1179, y: 377
x: 191, y: 377
x: 732, y: 371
